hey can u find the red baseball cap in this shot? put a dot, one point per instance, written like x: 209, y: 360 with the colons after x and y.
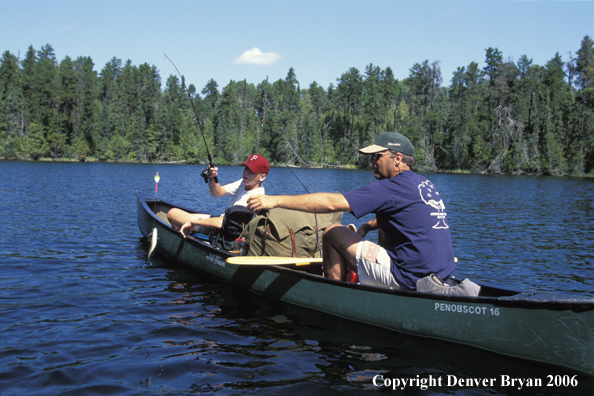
x: 257, y: 164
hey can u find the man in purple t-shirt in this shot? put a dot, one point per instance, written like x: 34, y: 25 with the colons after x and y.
x: 414, y: 237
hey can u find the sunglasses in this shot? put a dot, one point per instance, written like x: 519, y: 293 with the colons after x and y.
x: 376, y: 156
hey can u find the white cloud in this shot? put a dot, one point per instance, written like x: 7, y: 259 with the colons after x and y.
x: 59, y: 24
x: 257, y: 57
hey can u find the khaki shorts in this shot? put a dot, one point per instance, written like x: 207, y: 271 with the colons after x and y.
x: 374, y: 265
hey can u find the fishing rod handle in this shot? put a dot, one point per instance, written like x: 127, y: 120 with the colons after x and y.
x: 216, y: 179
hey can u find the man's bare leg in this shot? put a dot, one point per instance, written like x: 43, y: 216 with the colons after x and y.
x: 177, y: 217
x: 340, y: 250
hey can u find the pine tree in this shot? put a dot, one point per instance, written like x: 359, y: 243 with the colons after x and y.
x: 110, y: 74
x: 349, y: 92
x: 9, y: 71
x: 36, y: 142
x: 585, y: 64
x: 66, y: 104
x: 373, y: 104
x: 87, y: 105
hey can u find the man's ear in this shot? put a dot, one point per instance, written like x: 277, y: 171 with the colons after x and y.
x: 262, y: 177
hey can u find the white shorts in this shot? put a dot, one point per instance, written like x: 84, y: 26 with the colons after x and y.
x: 374, y: 265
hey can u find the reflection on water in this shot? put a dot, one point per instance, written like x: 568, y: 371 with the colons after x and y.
x: 267, y: 343
x: 83, y: 313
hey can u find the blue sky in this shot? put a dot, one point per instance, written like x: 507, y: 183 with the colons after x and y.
x: 235, y: 40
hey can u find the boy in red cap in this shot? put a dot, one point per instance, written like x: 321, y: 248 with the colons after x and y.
x: 254, y: 173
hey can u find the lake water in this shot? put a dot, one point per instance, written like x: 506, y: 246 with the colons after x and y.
x: 83, y: 313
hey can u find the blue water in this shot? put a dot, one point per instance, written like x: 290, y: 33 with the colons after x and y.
x: 83, y: 313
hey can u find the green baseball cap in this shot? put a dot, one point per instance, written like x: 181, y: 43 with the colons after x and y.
x: 390, y: 141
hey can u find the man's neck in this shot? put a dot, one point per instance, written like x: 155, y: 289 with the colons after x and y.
x: 248, y: 188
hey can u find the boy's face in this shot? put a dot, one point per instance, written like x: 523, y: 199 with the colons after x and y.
x: 251, y: 179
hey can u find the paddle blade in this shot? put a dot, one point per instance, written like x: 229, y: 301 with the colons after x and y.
x: 271, y: 260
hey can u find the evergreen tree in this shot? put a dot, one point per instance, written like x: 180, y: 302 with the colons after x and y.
x: 585, y: 64
x: 46, y: 79
x: 373, y: 103
x: 227, y: 125
x: 105, y: 134
x: 149, y: 90
x: 111, y: 72
x: 139, y: 136
x: 349, y: 93
x: 66, y: 105
x: 555, y: 127
x: 317, y: 135
x: 173, y: 100
x: 9, y: 71
x: 37, y: 145
x: 391, y: 98
x: 493, y: 59
x: 14, y: 112
x: 211, y: 98
x: 428, y: 101
x: 29, y: 86
x: 87, y: 105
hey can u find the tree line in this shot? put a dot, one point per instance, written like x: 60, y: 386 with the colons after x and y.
x: 508, y: 117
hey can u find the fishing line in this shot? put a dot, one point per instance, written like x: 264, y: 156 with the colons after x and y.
x: 296, y: 177
x: 198, y: 121
x: 312, y: 190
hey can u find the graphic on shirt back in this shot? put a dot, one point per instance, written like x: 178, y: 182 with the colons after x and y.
x: 430, y: 196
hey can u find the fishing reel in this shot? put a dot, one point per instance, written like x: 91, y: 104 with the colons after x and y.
x: 205, y: 172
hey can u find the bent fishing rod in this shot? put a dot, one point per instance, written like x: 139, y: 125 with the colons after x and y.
x: 204, y: 172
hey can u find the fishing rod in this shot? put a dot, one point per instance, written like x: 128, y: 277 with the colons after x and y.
x: 204, y: 172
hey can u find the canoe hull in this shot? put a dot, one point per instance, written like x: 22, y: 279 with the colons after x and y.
x: 551, y: 328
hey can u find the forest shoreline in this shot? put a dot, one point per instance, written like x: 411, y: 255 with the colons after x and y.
x: 281, y: 165
x: 504, y: 118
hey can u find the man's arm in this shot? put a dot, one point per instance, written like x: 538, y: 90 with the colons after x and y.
x: 211, y: 222
x: 312, y: 203
x: 216, y: 190
x: 365, y: 228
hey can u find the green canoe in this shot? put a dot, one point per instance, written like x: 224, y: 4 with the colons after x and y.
x: 552, y: 328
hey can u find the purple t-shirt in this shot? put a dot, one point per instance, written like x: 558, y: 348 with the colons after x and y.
x: 410, y: 211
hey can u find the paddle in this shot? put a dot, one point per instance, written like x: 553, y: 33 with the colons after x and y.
x: 275, y: 260
x: 271, y: 260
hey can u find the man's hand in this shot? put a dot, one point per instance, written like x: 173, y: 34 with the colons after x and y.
x: 186, y: 228
x: 369, y: 226
x: 255, y: 203
x: 213, y: 172
x: 363, y: 230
